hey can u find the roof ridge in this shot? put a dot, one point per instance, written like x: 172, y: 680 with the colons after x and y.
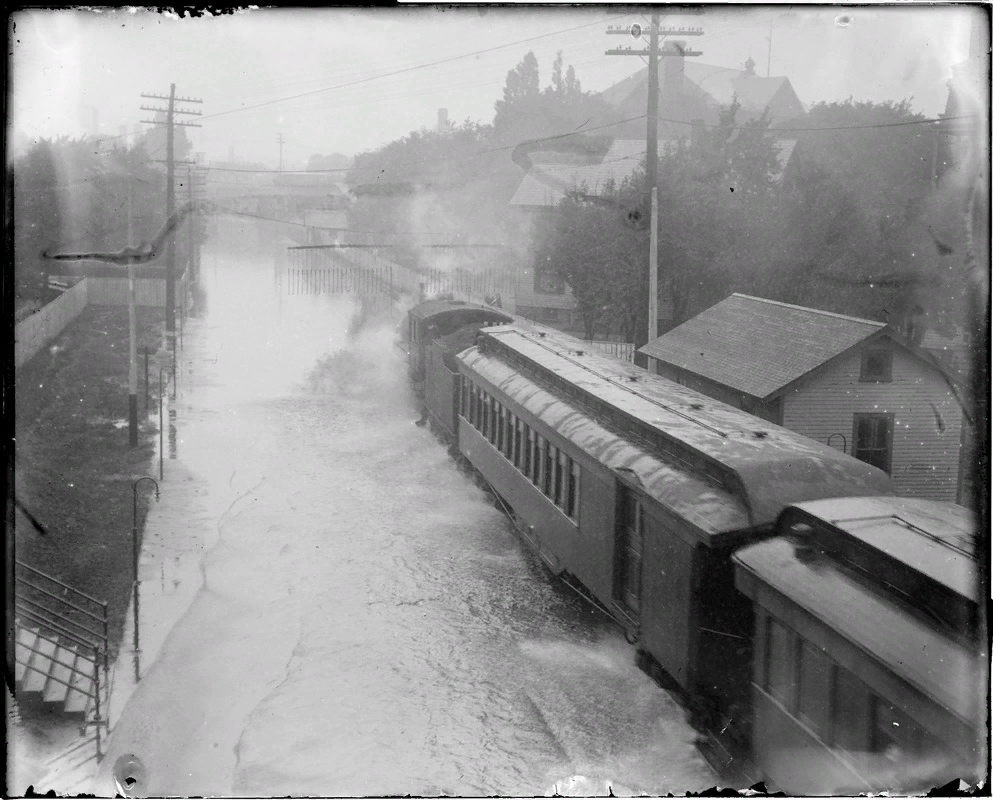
x: 879, y: 325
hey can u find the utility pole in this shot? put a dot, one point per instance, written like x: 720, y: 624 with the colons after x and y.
x: 768, y: 63
x: 171, y: 124
x: 280, y: 152
x: 132, y: 326
x: 652, y: 142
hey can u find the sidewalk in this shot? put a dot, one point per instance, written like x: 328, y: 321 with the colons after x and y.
x: 179, y: 530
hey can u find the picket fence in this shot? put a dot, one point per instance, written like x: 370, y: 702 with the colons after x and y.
x: 33, y: 333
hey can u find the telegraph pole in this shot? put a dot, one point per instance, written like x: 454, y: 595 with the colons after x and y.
x: 280, y: 152
x: 171, y: 124
x: 652, y: 141
x: 132, y: 327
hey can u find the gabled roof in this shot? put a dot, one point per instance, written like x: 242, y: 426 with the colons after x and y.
x: 759, y: 346
x: 545, y: 184
x: 716, y: 86
x: 763, y: 464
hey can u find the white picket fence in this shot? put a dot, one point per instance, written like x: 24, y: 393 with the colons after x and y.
x: 33, y: 333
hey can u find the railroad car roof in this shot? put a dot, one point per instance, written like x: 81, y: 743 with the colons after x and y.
x: 937, y: 664
x: 712, y: 509
x: 431, y: 308
x: 936, y: 539
x: 774, y: 466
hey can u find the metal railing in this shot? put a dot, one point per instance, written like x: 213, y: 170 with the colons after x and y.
x: 58, y: 611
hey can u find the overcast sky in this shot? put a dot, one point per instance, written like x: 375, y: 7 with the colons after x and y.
x: 367, y: 79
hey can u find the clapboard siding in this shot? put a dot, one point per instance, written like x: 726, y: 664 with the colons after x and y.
x: 925, y: 458
x: 733, y: 397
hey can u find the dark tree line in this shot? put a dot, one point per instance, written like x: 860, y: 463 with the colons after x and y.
x: 854, y: 222
x: 69, y: 195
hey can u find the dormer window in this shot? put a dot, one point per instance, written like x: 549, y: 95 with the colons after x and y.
x: 877, y: 365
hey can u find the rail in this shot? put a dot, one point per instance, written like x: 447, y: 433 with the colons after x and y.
x: 55, y: 608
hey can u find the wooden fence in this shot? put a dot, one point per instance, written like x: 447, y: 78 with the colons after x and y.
x: 623, y: 350
x: 148, y: 291
x: 49, y: 321
x: 33, y: 333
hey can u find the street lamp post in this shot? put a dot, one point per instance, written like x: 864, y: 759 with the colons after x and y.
x: 134, y: 556
x: 161, y: 370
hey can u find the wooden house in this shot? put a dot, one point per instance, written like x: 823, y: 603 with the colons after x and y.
x: 851, y: 383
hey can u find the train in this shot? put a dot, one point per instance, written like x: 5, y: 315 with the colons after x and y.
x: 668, y: 510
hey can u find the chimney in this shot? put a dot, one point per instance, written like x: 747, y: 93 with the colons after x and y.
x: 442, y: 120
x: 673, y: 66
x: 750, y: 67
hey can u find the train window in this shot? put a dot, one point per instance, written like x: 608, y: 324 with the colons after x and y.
x: 528, y: 451
x: 466, y: 404
x: 561, y: 470
x: 814, y: 690
x: 548, y: 469
x: 484, y: 413
x: 780, y: 672
x: 479, y: 409
x: 572, y: 503
x: 494, y: 410
x: 851, y: 712
x: 893, y: 732
x: 518, y: 442
x: 501, y: 426
x: 539, y: 460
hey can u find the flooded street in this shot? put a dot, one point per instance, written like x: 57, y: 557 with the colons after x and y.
x: 367, y: 622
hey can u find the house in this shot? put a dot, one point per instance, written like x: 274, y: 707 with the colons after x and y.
x: 541, y: 295
x: 691, y: 93
x: 694, y: 92
x: 850, y: 383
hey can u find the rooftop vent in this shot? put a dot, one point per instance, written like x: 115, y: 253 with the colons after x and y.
x: 633, y: 378
x: 760, y: 434
x: 696, y: 406
x: 580, y: 352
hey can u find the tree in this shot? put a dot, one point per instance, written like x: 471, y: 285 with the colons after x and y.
x: 37, y: 219
x: 717, y: 197
x: 69, y: 196
x: 868, y: 234
x: 529, y: 112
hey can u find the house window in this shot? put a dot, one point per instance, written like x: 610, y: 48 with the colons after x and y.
x: 546, y: 281
x: 877, y: 365
x: 873, y: 439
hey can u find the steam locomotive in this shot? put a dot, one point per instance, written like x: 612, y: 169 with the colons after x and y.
x: 774, y: 584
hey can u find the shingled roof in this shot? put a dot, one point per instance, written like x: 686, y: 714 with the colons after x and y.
x: 759, y: 346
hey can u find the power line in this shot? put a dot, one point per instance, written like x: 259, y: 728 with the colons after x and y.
x: 402, y: 70
x: 578, y: 132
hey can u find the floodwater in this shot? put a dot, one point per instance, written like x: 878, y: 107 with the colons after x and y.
x: 368, y: 623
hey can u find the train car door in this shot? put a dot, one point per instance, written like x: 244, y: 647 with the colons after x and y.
x: 629, y: 545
